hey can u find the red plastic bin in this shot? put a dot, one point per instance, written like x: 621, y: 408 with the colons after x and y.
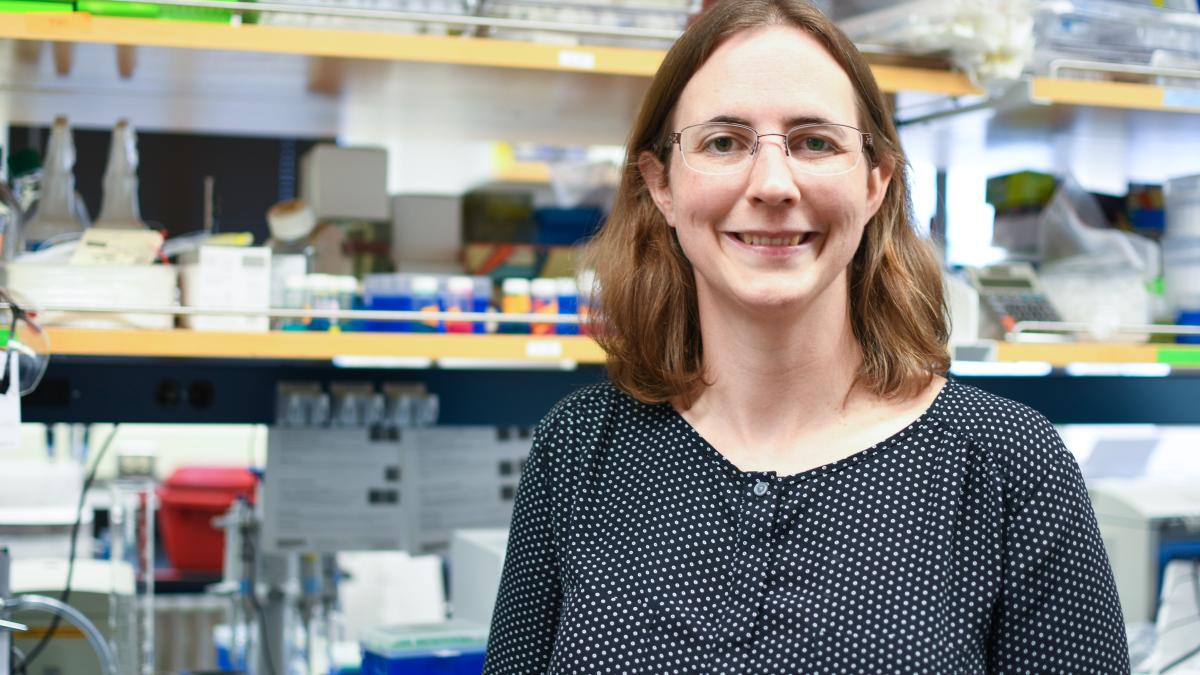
x: 190, y: 499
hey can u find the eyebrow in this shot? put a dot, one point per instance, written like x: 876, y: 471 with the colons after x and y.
x: 790, y: 123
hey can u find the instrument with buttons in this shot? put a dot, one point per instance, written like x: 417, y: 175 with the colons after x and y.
x: 1010, y: 293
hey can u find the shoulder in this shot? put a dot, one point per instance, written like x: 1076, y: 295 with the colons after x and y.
x: 1016, y: 441
x: 597, y: 404
x: 583, y: 419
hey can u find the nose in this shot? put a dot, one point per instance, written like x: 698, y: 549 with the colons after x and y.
x: 771, y: 179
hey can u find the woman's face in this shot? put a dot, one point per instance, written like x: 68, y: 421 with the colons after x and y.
x: 740, y: 231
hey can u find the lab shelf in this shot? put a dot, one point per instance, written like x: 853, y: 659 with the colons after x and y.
x: 370, y: 45
x: 1124, y: 95
x: 497, y: 53
x: 348, y: 348
x: 1069, y: 353
x: 200, y: 377
x: 347, y: 44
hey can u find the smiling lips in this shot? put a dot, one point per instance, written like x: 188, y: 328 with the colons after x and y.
x: 782, y: 239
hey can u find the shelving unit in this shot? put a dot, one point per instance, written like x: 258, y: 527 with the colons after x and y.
x: 307, y: 81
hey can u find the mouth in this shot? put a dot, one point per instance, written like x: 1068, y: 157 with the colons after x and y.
x: 781, y: 240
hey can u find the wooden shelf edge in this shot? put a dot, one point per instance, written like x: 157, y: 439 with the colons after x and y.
x: 1062, y: 354
x: 319, y: 346
x: 1124, y: 95
x: 350, y: 44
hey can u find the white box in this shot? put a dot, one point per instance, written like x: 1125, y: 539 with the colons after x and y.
x: 228, y: 277
x: 115, y: 286
x: 345, y: 183
x: 476, y: 563
x: 426, y: 229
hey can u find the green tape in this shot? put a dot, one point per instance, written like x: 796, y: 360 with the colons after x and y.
x: 128, y: 9
x: 34, y: 7
x: 1179, y: 356
x: 4, y: 338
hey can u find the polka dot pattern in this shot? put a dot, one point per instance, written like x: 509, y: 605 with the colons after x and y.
x: 965, y: 543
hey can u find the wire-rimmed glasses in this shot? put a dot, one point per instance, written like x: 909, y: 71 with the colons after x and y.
x: 23, y: 340
x: 723, y: 148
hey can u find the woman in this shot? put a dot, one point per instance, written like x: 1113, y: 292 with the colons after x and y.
x: 778, y: 478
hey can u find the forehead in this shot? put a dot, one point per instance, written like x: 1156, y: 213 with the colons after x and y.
x: 767, y: 76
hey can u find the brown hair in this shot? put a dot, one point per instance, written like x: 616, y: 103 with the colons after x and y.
x: 648, y: 318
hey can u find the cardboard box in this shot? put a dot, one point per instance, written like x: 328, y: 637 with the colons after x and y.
x: 228, y: 277
x: 345, y: 183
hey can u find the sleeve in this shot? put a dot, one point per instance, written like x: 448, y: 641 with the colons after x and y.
x: 525, y: 620
x: 1058, y: 610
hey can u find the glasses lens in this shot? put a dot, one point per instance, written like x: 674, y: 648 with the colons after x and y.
x: 25, y: 343
x: 825, y: 149
x: 716, y: 148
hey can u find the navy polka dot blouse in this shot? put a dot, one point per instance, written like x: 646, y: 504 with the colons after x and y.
x: 965, y: 543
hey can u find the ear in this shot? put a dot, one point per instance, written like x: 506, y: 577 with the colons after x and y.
x: 878, y: 180
x: 655, y: 176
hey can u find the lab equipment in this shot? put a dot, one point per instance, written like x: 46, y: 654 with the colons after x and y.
x: 1144, y: 525
x: 346, y: 183
x: 228, y: 277
x: 1011, y: 294
x: 568, y: 303
x: 92, y: 589
x: 424, y: 290
x: 515, y: 300
x: 543, y: 295
x: 1182, y: 205
x: 476, y: 562
x: 58, y: 214
x: 481, y: 300
x: 115, y: 286
x: 191, y: 497
x: 11, y: 215
x: 456, y: 298
x: 1177, y: 630
x: 452, y: 648
x: 120, y: 208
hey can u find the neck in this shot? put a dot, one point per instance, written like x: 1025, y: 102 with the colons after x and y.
x: 774, y: 377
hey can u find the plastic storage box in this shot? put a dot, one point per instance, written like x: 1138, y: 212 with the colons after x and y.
x: 450, y: 648
x: 190, y: 499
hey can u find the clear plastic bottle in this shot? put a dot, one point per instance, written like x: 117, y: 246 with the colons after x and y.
x: 568, y: 303
x: 425, y: 299
x: 457, y: 298
x: 481, y: 300
x: 119, y: 208
x: 543, y: 294
x: 10, y: 220
x: 514, y: 300
x: 57, y: 214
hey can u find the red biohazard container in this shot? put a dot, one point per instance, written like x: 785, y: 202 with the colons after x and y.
x: 190, y: 499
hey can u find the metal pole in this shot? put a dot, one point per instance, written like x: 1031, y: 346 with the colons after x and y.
x: 5, y: 635
x: 277, y: 572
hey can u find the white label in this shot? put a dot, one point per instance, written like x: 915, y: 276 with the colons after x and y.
x: 544, y: 349
x: 10, y: 409
x: 581, y: 60
x: 117, y: 247
x: 1181, y: 98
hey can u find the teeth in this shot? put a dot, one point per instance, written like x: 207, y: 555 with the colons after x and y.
x: 759, y: 240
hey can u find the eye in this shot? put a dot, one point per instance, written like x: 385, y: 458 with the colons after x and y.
x: 815, y: 144
x: 723, y: 144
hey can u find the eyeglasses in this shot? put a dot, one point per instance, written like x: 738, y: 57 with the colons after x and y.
x: 720, y: 149
x: 24, y: 341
